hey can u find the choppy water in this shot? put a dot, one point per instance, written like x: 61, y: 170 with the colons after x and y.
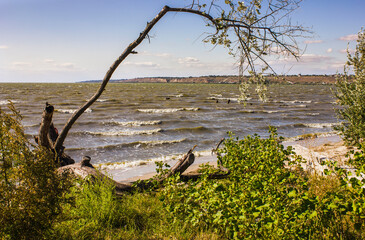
x: 137, y: 122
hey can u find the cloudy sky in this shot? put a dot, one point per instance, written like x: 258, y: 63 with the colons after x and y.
x: 77, y: 40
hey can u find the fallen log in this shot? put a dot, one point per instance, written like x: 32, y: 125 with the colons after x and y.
x: 86, y: 170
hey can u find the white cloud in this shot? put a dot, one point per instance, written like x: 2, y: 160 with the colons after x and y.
x: 312, y: 58
x: 337, y: 65
x: 349, y: 50
x: 163, y: 55
x: 3, y: 47
x: 49, y: 61
x: 313, y: 41
x: 351, y: 37
x: 329, y: 50
x: 305, y: 58
x: 67, y: 65
x: 188, y: 60
x: 21, y: 64
x: 142, y: 64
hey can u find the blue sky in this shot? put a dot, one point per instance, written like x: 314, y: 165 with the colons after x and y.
x: 76, y: 40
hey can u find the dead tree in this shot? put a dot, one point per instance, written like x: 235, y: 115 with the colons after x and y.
x: 48, y: 135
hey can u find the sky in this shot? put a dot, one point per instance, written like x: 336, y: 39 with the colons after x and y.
x: 78, y: 40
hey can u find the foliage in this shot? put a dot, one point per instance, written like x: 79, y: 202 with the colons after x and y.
x: 261, y: 199
x: 31, y: 191
x: 268, y: 196
x: 351, y: 95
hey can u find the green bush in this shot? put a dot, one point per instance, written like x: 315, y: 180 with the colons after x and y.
x: 261, y: 199
x: 268, y: 196
x: 31, y: 192
x: 350, y: 93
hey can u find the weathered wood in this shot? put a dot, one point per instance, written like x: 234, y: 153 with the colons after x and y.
x: 48, y: 134
x: 43, y: 137
x: 223, y: 173
x: 85, y: 169
x: 182, y: 164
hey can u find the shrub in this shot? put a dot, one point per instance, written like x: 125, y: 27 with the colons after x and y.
x: 261, y: 199
x: 31, y: 192
x: 350, y: 93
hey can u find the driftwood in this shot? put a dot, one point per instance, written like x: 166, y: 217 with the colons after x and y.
x: 85, y: 169
x: 48, y: 135
x: 182, y: 164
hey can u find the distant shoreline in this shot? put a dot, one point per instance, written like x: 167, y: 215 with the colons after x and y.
x: 280, y: 79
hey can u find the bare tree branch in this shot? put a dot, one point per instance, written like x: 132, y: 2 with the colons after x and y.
x: 254, y: 33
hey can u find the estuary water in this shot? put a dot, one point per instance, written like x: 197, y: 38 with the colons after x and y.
x: 136, y: 123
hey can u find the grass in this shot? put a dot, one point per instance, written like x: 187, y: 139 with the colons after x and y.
x: 97, y: 213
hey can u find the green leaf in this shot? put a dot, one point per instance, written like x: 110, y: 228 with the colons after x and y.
x: 293, y: 193
x: 313, y: 214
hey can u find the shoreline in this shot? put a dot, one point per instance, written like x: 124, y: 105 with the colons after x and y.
x: 312, y: 149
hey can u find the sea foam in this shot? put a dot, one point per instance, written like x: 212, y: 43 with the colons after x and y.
x: 70, y: 111
x: 126, y: 133
x: 137, y: 123
x: 167, y: 110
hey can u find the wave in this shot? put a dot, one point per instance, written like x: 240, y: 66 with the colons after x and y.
x: 226, y: 108
x: 128, y: 165
x: 167, y: 110
x: 138, y: 144
x: 310, y: 135
x: 70, y: 111
x: 261, y: 111
x: 131, y: 164
x: 224, y: 99
x: 294, y: 101
x: 5, y: 102
x: 320, y: 125
x: 137, y: 123
x: 310, y: 125
x: 192, y: 129
x: 126, y: 133
x: 312, y: 114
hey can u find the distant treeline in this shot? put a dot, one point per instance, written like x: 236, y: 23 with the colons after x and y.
x: 231, y: 79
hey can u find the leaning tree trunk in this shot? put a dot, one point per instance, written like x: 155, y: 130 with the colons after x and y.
x: 129, y: 50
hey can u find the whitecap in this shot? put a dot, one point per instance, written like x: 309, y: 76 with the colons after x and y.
x: 294, y: 101
x: 320, y: 125
x: 126, y: 133
x: 138, y: 123
x: 5, y: 102
x: 71, y: 111
x: 167, y: 110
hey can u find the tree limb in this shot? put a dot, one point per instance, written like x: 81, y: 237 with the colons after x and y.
x: 221, y: 24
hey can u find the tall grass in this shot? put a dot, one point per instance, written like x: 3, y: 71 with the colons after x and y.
x: 98, y: 213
